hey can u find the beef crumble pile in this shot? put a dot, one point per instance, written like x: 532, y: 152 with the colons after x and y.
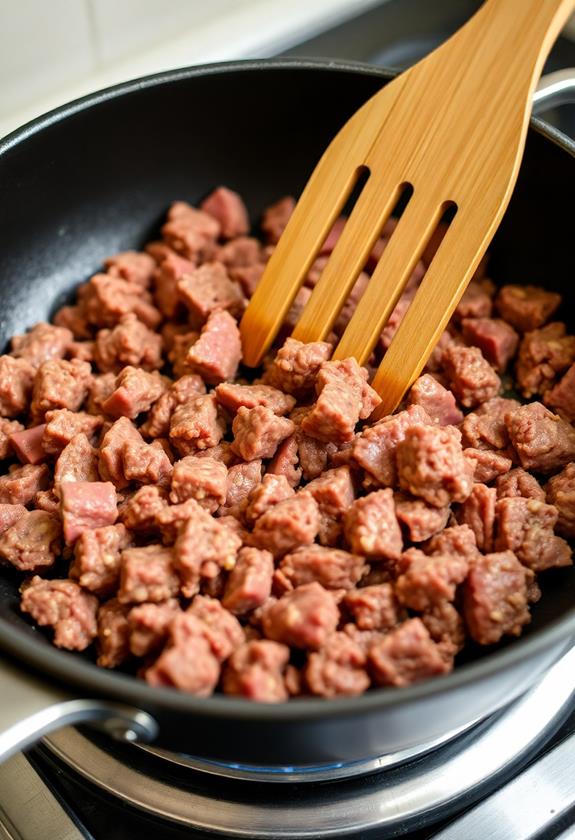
x: 263, y: 538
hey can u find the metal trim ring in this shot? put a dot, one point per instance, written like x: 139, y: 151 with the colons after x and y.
x: 399, y: 796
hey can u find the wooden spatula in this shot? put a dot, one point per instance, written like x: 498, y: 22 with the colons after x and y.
x: 453, y: 127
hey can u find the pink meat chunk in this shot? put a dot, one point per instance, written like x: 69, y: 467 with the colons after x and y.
x: 406, y: 655
x: 427, y: 580
x: 130, y: 342
x: 561, y: 494
x: 134, y: 266
x: 195, y: 425
x: 250, y: 581
x: 222, y: 629
x: 296, y: 365
x: 62, y: 605
x: 431, y: 465
x: 288, y: 525
x: 147, y: 574
x: 20, y: 484
x: 78, y: 461
x: 87, y: 504
x: 471, y: 377
x: 486, y: 428
x: 437, y: 401
x: 303, y: 618
x: 146, y: 463
x: 338, y: 669
x: 487, y: 464
x: 286, y: 461
x: 9, y: 514
x: 60, y: 384
x: 72, y: 318
x: 543, y: 441
x: 113, y: 634
x: 373, y: 607
x: 7, y: 429
x: 233, y: 396
x: 446, y: 627
x: 334, y: 494
x: 420, y: 520
x: 181, y: 391
x: 526, y: 307
x: 543, y: 355
x: 99, y: 389
x: 32, y: 542
x: 374, y: 449
x: 166, y: 276
x: 276, y: 217
x: 475, y: 303
x: 27, y: 444
x: 149, y: 626
x: 258, y: 432
x: 248, y: 276
x: 256, y: 671
x: 187, y: 662
x: 136, y: 391
x: 518, y: 482
x: 562, y: 396
x: 217, y: 353
x: 525, y: 526
x: 227, y: 207
x: 332, y: 567
x: 202, y: 479
x: 204, y: 546
x: 241, y: 252
x: 344, y: 397
x: 61, y: 425
x: 110, y: 464
x: 272, y: 490
x: 96, y: 564
x: 496, y: 339
x: 42, y: 343
x: 371, y: 527
x: 478, y: 511
x: 495, y: 597
x: 105, y: 300
x: 458, y: 540
x: 190, y: 232
x: 208, y: 288
x: 140, y: 511
x: 241, y: 480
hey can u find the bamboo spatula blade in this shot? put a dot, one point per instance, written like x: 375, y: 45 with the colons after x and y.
x: 453, y: 127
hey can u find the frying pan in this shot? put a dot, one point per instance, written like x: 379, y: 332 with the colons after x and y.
x: 96, y: 177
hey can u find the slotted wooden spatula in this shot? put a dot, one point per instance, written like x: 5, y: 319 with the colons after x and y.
x: 453, y: 127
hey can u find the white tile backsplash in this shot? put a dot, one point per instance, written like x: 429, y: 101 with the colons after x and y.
x: 43, y: 44
x: 123, y: 27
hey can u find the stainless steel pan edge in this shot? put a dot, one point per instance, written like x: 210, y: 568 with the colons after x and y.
x: 32, y: 706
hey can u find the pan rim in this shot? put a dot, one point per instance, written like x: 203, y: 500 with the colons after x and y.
x: 67, y: 667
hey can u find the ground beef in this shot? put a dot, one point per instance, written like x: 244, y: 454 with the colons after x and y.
x: 406, y: 655
x: 62, y: 605
x: 338, y: 669
x: 303, y: 618
x: 543, y: 441
x: 495, y: 597
x: 420, y: 520
x: 561, y: 494
x: 255, y: 533
x: 258, y: 432
x: 525, y: 526
x: 255, y: 670
x: 427, y: 580
x: 470, y: 376
x: 526, y: 307
x: 371, y: 527
x: 437, y: 401
x: 431, y: 465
